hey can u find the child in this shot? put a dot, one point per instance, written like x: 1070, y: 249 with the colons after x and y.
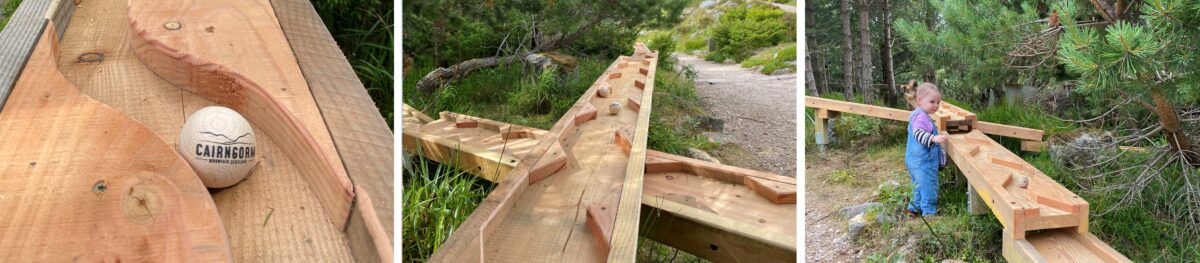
x: 923, y: 153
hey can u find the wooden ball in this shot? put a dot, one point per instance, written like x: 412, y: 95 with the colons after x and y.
x: 219, y: 145
x: 604, y: 91
x: 614, y: 108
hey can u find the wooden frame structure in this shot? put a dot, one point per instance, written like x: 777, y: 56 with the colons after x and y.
x: 686, y: 203
x: 1021, y: 197
x: 331, y: 216
x: 600, y: 181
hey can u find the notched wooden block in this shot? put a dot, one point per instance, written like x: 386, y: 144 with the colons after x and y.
x: 554, y: 159
x: 777, y: 192
x: 622, y: 138
x: 600, y: 222
x: 587, y: 113
x: 639, y: 84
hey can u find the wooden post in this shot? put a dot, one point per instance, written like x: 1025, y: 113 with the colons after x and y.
x: 975, y: 203
x: 820, y: 134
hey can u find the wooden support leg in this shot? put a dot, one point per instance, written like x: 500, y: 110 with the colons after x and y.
x: 821, y: 134
x: 975, y: 204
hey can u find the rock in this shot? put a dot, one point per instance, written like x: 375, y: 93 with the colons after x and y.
x: 538, y: 60
x: 855, y: 210
x: 729, y: 61
x: 1081, y: 147
x: 757, y: 69
x: 855, y: 226
x: 782, y: 71
x: 701, y: 155
x: 711, y: 124
x: 708, y: 3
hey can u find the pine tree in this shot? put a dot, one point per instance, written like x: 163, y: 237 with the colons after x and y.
x: 1151, y: 60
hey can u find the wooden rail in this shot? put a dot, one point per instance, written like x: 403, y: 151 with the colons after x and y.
x: 688, y: 204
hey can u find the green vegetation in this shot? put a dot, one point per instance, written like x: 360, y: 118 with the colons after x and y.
x: 437, y: 199
x: 7, y: 10
x: 744, y: 29
x: 774, y: 58
x: 364, y: 31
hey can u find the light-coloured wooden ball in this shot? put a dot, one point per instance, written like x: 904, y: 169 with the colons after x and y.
x: 604, y: 91
x: 614, y: 108
x: 219, y: 145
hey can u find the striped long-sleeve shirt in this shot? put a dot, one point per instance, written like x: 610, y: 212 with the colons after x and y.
x: 922, y: 129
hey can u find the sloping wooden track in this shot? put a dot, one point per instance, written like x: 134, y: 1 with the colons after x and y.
x: 562, y: 216
x: 1043, y: 221
x: 703, y: 208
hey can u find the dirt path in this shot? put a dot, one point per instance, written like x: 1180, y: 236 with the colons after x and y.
x: 825, y: 230
x: 759, y: 113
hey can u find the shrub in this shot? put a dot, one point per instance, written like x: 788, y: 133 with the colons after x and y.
x: 743, y: 29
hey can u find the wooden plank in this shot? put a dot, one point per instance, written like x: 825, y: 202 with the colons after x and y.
x: 1010, y: 131
x: 366, y: 235
x: 902, y: 115
x: 360, y: 134
x: 625, y: 231
x: 1064, y: 245
x: 63, y: 153
x: 298, y: 228
x: 235, y: 54
x: 856, y: 108
x: 714, y: 236
x: 713, y: 205
x: 20, y: 35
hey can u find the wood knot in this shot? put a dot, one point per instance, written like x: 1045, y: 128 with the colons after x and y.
x: 140, y: 204
x: 91, y: 57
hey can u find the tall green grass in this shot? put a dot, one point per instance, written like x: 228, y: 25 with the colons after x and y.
x: 7, y: 10
x: 364, y: 31
x: 437, y: 198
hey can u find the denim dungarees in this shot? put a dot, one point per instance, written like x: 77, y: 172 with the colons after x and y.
x: 922, y: 163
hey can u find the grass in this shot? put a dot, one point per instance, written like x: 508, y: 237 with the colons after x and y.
x: 364, y: 31
x: 7, y: 10
x: 437, y: 198
x: 774, y: 58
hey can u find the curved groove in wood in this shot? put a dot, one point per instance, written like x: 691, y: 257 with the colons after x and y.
x: 84, y: 182
x: 154, y: 44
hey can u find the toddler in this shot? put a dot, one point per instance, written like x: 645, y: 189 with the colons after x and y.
x: 923, y: 153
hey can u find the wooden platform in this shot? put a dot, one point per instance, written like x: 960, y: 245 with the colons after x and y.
x: 278, y: 213
x: 689, y: 204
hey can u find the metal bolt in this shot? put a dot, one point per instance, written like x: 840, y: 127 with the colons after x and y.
x: 173, y: 25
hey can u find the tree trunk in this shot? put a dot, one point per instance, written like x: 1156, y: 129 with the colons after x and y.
x: 1170, y: 122
x: 864, y: 32
x: 847, y: 53
x: 930, y: 23
x: 889, y: 74
x: 440, y: 76
x: 823, y: 74
x: 809, y: 81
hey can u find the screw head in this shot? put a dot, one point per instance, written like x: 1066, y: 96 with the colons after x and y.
x: 173, y: 25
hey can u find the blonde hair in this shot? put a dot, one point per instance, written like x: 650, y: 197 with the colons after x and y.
x: 925, y: 89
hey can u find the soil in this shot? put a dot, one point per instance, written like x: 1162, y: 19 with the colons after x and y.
x: 759, y: 113
x: 825, y: 229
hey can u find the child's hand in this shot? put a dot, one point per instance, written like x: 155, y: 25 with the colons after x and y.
x: 939, y: 138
